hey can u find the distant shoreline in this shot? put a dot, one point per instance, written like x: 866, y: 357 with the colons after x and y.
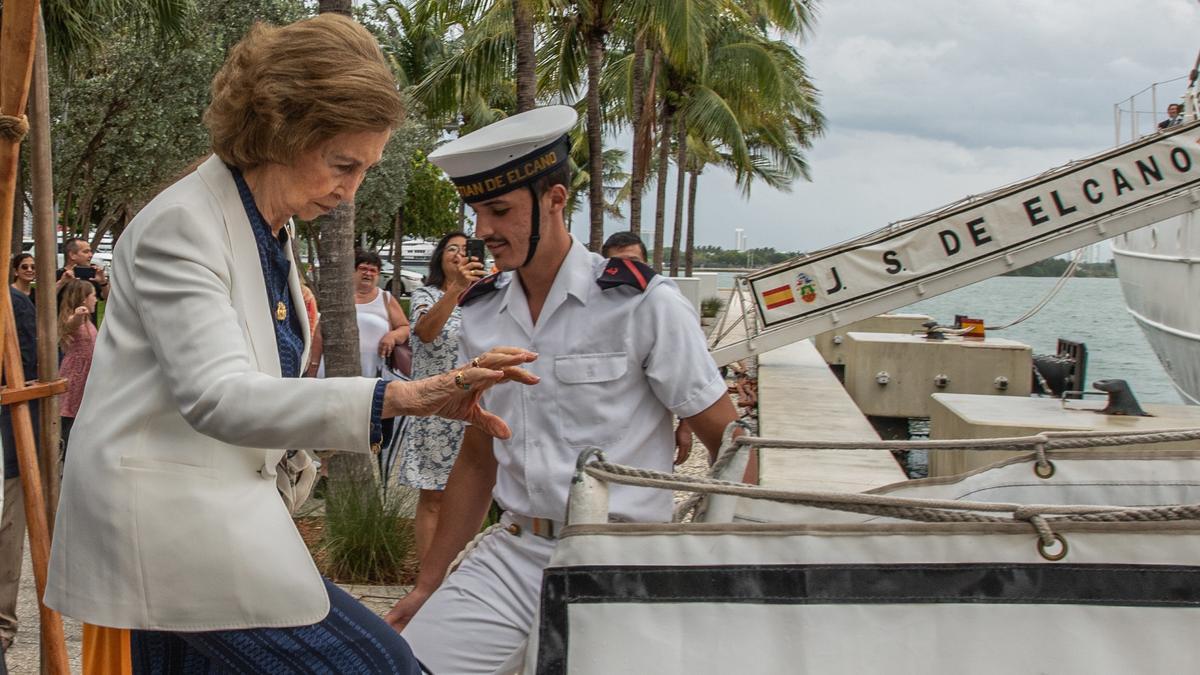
x: 1054, y: 267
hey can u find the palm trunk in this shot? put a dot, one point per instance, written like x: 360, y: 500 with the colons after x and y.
x: 660, y: 200
x: 680, y: 179
x: 691, y: 225
x: 526, y: 78
x: 635, y: 109
x: 339, y: 320
x: 397, y: 252
x: 595, y: 133
x: 343, y: 7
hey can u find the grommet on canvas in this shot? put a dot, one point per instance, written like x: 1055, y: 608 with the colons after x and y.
x: 1043, y: 469
x: 1045, y: 551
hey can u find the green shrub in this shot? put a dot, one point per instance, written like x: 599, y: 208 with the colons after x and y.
x: 367, y: 538
x: 711, y: 307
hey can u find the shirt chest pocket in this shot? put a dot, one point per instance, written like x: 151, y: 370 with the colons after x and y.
x: 589, y: 394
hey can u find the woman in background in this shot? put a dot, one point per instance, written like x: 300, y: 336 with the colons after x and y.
x: 431, y: 444
x: 24, y: 273
x: 77, y: 338
x: 381, y: 324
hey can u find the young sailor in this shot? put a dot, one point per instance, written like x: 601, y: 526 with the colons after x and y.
x: 621, y: 351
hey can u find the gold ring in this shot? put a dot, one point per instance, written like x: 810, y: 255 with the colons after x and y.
x: 475, y: 362
x: 461, y: 382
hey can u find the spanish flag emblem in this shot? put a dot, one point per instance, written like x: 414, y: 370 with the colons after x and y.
x: 778, y: 297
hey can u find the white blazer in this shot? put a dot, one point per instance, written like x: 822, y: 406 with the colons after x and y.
x: 169, y: 517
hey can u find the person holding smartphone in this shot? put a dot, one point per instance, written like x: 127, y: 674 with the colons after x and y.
x: 78, y: 257
x: 430, y: 444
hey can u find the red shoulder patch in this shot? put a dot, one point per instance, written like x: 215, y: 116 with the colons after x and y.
x: 625, y: 272
x: 479, y: 289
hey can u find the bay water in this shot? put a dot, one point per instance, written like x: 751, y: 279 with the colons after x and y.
x: 1091, y: 311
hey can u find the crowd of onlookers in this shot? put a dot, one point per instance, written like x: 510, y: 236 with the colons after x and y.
x: 79, y: 285
x: 393, y: 344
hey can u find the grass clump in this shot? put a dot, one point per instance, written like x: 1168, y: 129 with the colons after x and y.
x: 711, y: 307
x: 368, y: 537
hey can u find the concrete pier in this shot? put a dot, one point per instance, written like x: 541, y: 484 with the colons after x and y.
x: 799, y: 397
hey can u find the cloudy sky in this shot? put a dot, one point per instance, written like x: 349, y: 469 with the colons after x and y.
x: 931, y: 100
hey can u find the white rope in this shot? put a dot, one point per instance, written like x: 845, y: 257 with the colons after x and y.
x: 1062, y: 281
x: 1053, y: 440
x: 462, y: 555
x: 1038, y: 444
x: 923, y: 510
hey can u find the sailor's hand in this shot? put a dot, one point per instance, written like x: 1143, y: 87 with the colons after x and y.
x: 683, y: 442
x: 455, y: 395
x: 406, y: 608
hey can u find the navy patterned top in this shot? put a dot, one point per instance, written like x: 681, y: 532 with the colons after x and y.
x: 289, y: 336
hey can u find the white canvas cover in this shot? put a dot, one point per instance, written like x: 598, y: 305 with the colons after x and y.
x: 1048, y: 591
x: 869, y: 598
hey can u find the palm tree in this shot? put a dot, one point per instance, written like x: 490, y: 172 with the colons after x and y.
x: 523, y: 34
x: 596, y: 21
x: 335, y: 296
x: 755, y: 112
x: 76, y: 29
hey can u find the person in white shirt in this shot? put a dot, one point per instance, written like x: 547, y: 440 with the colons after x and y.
x: 620, y: 352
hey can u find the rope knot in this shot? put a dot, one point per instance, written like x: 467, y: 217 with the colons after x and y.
x: 1032, y: 516
x: 13, y: 128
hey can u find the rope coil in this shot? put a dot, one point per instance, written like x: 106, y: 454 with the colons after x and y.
x: 13, y: 128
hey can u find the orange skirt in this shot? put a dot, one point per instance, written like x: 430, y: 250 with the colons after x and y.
x: 106, y: 651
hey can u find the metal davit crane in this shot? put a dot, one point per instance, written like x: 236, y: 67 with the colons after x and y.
x: 1134, y: 185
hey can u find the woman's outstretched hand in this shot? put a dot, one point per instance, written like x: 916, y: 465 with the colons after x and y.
x: 455, y: 395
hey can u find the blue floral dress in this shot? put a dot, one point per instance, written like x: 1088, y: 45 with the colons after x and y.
x: 430, y: 444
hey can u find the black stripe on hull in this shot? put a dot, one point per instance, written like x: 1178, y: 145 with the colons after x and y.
x: 950, y: 583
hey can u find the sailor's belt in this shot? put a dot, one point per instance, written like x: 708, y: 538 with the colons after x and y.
x: 541, y: 527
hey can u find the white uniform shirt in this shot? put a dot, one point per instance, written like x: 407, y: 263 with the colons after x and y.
x: 614, y: 365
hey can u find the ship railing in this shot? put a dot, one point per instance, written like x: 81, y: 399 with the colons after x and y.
x: 1138, y: 115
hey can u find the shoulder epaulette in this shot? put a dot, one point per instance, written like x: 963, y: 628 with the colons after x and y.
x: 479, y: 289
x: 625, y: 272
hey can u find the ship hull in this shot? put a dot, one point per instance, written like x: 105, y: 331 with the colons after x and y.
x: 1159, y: 269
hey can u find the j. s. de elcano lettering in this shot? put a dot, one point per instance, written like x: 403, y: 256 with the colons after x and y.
x: 1097, y: 187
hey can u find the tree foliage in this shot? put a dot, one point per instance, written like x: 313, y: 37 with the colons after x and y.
x: 128, y: 122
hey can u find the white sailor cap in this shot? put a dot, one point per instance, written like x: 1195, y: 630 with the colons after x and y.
x: 508, y: 154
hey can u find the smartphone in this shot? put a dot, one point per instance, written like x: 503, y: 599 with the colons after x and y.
x: 85, y: 273
x: 476, y: 249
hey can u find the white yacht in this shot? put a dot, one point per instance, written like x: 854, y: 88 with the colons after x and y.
x: 416, y: 250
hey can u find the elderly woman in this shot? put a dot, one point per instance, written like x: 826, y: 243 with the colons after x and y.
x: 170, y: 523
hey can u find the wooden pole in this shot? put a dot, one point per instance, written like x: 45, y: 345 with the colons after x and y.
x: 46, y: 243
x: 18, y: 31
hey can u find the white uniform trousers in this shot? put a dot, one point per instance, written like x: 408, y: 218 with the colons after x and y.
x: 479, y: 620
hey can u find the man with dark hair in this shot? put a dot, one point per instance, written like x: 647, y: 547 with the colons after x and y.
x: 620, y: 351
x: 1174, y: 117
x: 77, y: 254
x: 625, y: 244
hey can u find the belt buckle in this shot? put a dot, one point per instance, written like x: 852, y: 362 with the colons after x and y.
x: 543, y: 527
